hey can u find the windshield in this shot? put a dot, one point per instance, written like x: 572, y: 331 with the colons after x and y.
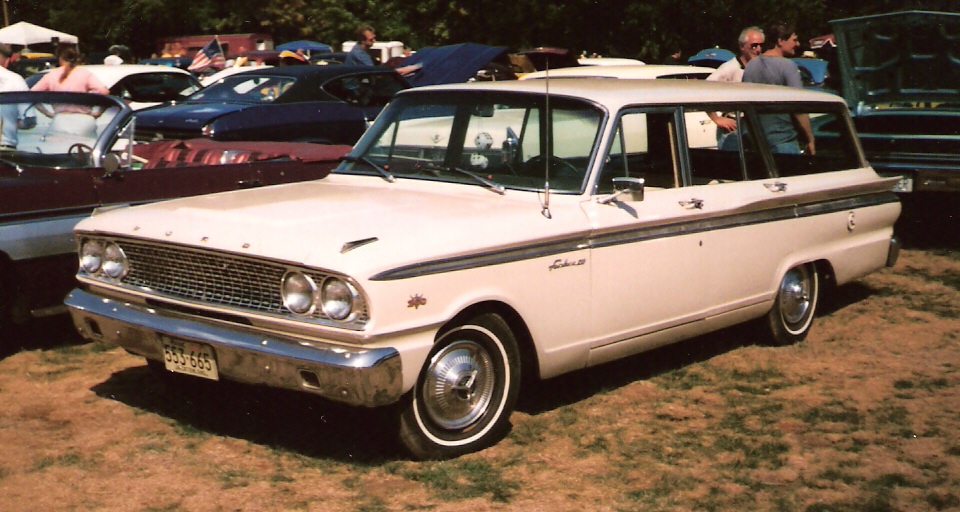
x: 245, y: 89
x: 58, y: 129
x: 507, y: 139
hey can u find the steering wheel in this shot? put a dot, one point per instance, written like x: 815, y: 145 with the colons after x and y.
x: 559, y: 168
x: 80, y: 151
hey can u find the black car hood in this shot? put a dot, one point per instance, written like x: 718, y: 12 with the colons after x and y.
x: 897, y: 58
x: 185, y: 116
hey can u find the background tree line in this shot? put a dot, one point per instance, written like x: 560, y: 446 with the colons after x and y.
x: 644, y: 29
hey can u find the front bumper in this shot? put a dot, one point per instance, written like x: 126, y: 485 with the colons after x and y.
x: 353, y: 375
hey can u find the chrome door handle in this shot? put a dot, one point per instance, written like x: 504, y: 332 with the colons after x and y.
x: 777, y: 186
x: 692, y: 203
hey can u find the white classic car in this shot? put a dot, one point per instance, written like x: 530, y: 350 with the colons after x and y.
x: 482, y: 232
x: 141, y: 85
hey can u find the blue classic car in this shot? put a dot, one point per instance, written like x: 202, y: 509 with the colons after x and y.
x: 307, y: 103
x: 327, y: 104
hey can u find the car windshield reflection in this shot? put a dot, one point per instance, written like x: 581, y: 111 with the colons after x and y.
x: 507, y: 142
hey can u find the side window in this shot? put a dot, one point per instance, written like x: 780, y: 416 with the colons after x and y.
x: 789, y: 130
x: 365, y: 90
x: 645, y: 146
x: 718, y: 154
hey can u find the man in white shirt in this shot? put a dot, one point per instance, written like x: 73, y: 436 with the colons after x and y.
x: 9, y: 82
x: 751, y: 44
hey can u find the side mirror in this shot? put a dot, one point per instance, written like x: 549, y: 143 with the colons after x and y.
x: 510, y: 146
x: 627, y: 185
x: 111, y: 164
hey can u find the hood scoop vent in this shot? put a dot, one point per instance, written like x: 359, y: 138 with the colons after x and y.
x: 349, y: 246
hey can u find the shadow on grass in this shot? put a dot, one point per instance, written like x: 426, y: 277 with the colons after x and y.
x: 284, y: 420
x: 40, y: 334
x: 543, y: 396
x: 316, y: 427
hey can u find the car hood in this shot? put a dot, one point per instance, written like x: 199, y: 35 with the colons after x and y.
x: 452, y: 64
x: 348, y: 224
x: 189, y: 116
x: 899, y: 57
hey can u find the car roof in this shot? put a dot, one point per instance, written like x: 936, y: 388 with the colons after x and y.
x: 615, y: 94
x: 625, y: 71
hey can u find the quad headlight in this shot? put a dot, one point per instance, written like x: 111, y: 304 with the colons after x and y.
x: 91, y: 256
x: 337, y: 298
x: 98, y: 257
x: 114, y: 264
x: 299, y: 293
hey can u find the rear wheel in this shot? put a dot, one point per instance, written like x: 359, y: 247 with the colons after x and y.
x: 464, y: 396
x: 792, y: 313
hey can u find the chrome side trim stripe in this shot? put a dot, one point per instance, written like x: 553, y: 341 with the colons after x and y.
x: 582, y: 241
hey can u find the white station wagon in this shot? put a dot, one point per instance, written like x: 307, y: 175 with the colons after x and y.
x: 482, y: 232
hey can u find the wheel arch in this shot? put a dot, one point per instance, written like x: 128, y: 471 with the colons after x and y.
x: 529, y: 362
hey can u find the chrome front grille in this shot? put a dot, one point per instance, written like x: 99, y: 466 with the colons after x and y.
x: 213, y: 278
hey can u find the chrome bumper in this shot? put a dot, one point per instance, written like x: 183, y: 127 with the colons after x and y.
x: 353, y: 375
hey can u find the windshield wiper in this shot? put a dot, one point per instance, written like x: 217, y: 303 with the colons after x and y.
x: 364, y: 160
x: 496, y: 187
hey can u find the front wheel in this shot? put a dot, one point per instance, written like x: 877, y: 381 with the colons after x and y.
x: 790, y: 317
x: 464, y: 396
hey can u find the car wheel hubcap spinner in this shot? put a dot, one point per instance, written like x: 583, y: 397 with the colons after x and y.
x: 459, y: 385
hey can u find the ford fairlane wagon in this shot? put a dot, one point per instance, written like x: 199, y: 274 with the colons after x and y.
x: 480, y: 233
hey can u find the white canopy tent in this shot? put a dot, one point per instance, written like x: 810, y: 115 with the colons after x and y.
x: 25, y: 34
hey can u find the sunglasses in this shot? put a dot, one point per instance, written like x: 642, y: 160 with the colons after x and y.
x: 756, y: 45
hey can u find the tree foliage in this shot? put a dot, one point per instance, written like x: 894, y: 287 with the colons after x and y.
x: 623, y: 28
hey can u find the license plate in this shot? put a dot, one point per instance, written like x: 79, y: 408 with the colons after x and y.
x: 191, y: 358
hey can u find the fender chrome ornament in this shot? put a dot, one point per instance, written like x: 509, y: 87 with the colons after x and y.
x: 416, y: 301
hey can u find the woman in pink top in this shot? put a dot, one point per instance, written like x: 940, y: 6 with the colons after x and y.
x: 70, y: 77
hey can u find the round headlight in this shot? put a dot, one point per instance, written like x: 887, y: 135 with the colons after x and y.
x: 91, y: 256
x: 337, y: 298
x: 114, y: 261
x: 299, y: 293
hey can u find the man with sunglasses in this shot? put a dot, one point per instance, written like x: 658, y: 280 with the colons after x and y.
x: 750, y: 43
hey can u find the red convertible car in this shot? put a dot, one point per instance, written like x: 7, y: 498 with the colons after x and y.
x: 63, y: 155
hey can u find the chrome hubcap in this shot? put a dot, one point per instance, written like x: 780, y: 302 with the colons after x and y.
x: 459, y: 385
x: 795, y: 300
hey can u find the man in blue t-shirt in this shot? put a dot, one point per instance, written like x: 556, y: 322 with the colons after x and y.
x: 772, y: 67
x: 358, y: 55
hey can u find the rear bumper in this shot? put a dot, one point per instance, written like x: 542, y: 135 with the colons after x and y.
x: 353, y: 375
x: 893, y: 253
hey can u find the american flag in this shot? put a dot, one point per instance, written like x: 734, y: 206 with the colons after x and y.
x: 210, y: 56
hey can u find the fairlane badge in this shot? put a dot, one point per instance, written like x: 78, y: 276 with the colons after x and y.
x: 416, y: 301
x: 558, y: 264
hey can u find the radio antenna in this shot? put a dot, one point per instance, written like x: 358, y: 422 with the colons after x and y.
x: 548, y: 126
